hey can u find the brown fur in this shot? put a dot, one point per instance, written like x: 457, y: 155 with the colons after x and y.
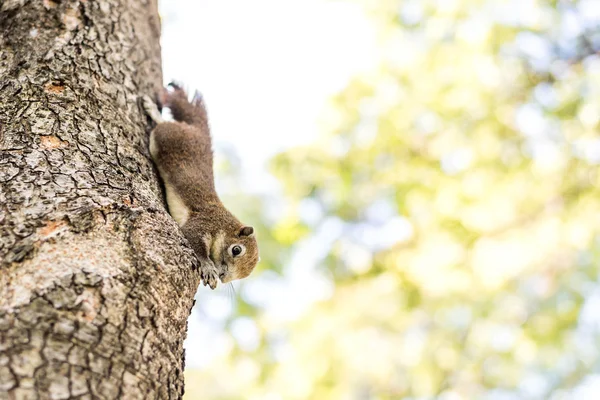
x: 183, y: 155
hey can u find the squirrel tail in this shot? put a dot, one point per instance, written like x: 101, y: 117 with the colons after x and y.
x: 193, y: 113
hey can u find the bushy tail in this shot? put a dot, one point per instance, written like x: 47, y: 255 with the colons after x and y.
x: 193, y: 113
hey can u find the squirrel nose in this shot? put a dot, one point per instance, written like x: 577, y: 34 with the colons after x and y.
x: 222, y: 275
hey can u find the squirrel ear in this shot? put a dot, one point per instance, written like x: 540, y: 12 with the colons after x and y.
x: 246, y: 231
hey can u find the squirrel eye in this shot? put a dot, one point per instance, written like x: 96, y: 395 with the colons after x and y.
x: 236, y: 250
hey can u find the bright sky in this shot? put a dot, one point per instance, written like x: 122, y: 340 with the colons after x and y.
x: 267, y: 69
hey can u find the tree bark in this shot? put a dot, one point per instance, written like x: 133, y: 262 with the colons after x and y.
x: 96, y: 280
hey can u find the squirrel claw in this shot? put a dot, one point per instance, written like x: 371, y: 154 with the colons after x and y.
x: 172, y: 93
x: 177, y: 90
x: 175, y: 85
x: 208, y: 273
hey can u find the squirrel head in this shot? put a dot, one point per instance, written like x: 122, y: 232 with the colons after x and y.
x: 239, y: 254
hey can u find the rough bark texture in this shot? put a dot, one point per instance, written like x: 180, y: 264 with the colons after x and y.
x: 96, y: 281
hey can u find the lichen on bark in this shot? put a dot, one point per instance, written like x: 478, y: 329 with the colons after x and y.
x: 96, y: 280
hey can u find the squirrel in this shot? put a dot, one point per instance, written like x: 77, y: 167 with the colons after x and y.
x: 182, y: 153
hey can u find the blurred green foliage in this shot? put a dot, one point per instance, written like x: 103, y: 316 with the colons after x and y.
x: 462, y: 175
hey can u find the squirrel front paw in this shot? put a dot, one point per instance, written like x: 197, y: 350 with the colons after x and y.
x: 209, y: 273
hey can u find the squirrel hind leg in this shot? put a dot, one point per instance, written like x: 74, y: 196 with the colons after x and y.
x: 176, y: 90
x: 192, y: 112
x: 151, y: 109
x: 176, y: 85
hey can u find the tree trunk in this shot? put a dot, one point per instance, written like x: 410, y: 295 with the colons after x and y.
x: 96, y: 281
